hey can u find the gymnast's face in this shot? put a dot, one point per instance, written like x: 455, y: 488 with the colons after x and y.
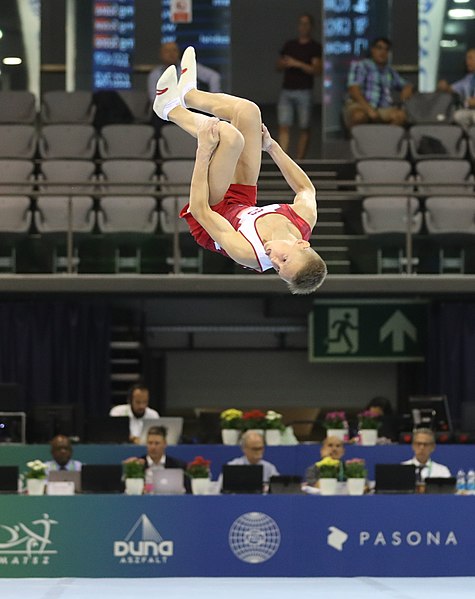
x: 287, y: 257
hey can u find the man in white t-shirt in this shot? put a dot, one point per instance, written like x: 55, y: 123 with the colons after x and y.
x: 136, y: 409
x: 423, y: 444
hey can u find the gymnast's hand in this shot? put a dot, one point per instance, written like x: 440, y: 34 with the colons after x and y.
x: 208, y: 135
x: 266, y: 139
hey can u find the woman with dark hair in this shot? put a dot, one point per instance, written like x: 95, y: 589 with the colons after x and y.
x: 382, y: 410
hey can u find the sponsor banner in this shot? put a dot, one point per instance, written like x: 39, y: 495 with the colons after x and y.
x: 125, y: 536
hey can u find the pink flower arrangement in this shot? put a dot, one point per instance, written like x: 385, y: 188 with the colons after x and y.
x: 335, y: 420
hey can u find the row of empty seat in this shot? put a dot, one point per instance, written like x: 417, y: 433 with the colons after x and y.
x: 419, y: 142
x: 427, y: 177
x: 66, y: 107
x: 78, y: 142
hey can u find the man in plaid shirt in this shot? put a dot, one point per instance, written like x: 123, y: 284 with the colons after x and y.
x: 371, y: 83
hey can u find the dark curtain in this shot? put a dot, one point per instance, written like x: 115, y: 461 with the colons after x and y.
x: 451, y: 354
x: 58, y: 352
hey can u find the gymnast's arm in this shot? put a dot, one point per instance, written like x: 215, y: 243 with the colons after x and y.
x: 305, y: 201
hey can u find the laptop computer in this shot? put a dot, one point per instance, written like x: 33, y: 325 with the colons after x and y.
x: 102, y: 478
x: 285, y: 485
x: 242, y: 478
x: 168, y: 481
x: 174, y: 426
x: 437, y: 485
x: 395, y: 478
x: 66, y: 476
x: 9, y: 479
x: 108, y: 429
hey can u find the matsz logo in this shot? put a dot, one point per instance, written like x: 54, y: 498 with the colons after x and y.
x: 336, y: 538
x: 23, y: 544
x: 143, y: 544
x: 254, y: 537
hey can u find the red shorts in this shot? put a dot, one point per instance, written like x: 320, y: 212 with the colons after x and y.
x: 235, y: 199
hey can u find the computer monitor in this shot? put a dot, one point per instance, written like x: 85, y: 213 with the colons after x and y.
x: 168, y: 481
x: 108, y: 429
x: 242, y: 478
x: 285, y: 484
x: 59, y: 476
x: 440, y: 486
x: 430, y: 411
x: 395, y: 478
x: 9, y: 479
x: 101, y: 478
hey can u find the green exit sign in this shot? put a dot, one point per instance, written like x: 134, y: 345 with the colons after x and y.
x: 368, y: 331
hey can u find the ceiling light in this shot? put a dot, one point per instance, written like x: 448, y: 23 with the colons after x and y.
x: 12, y: 60
x: 461, y: 1
x: 461, y: 13
x: 1, y: 34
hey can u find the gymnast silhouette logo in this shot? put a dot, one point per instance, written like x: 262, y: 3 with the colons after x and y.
x: 25, y: 540
x: 343, y: 335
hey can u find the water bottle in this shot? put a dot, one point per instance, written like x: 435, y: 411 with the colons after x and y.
x: 471, y: 482
x: 461, y: 484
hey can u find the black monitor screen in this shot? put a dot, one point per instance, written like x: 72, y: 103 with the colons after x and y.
x: 431, y: 411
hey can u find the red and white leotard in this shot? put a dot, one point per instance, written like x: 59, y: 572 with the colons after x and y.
x: 239, y: 208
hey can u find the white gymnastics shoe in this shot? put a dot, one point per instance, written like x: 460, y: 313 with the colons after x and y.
x: 188, y: 73
x: 167, y: 94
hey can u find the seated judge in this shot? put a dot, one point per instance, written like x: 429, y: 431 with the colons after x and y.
x: 253, y: 447
x: 423, y: 445
x: 156, y: 455
x: 136, y: 409
x: 61, y: 452
x: 331, y: 447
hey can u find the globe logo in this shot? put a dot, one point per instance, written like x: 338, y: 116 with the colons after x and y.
x: 254, y: 537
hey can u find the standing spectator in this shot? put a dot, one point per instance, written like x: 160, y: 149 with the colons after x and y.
x: 423, y: 445
x: 465, y: 89
x: 300, y: 60
x: 136, y: 409
x: 371, y: 83
x: 61, y: 452
x: 208, y: 79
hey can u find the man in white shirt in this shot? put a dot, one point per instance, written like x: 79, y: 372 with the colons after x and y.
x: 170, y: 54
x: 423, y: 444
x: 136, y: 409
x: 252, y: 445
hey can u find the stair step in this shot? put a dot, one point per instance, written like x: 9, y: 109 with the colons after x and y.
x: 124, y: 361
x: 126, y: 376
x: 125, y: 345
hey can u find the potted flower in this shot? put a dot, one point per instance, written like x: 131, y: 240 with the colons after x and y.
x: 35, y: 477
x: 368, y: 428
x: 336, y: 425
x: 254, y: 420
x: 356, y: 473
x: 199, y: 472
x: 231, y: 425
x: 328, y: 473
x: 134, y: 472
x: 274, y: 427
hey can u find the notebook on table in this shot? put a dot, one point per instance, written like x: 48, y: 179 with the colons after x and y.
x: 242, y: 478
x: 285, y: 485
x: 174, y: 426
x: 61, y: 476
x: 9, y: 479
x: 395, y: 478
x: 101, y: 478
x: 438, y: 485
x: 168, y: 481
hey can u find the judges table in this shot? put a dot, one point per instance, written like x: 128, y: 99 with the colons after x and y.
x: 246, y: 535
x: 288, y: 459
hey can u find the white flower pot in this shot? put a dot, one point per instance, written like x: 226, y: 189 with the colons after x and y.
x: 340, y: 433
x: 355, y: 486
x: 328, y: 486
x: 36, y: 486
x: 134, y: 486
x: 368, y: 436
x: 200, y: 486
x: 273, y: 437
x: 230, y: 436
